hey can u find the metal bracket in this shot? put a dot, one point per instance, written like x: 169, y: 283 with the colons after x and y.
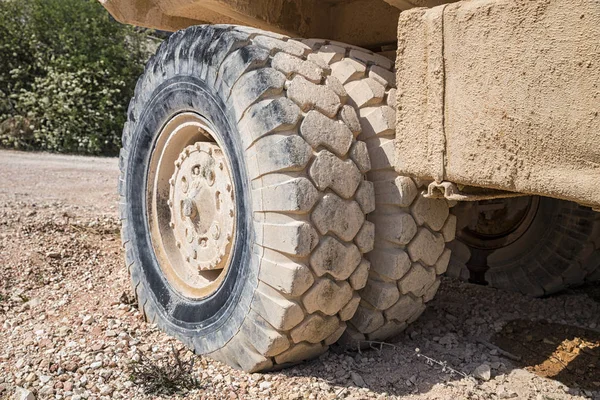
x: 454, y: 192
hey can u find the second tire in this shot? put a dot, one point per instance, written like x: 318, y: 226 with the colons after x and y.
x: 411, y: 231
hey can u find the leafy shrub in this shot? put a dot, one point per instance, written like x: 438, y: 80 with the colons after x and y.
x: 67, y: 72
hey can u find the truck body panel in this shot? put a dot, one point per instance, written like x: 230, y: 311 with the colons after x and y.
x: 366, y: 23
x: 502, y: 94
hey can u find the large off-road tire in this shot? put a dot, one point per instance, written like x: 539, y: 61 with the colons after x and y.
x: 532, y: 245
x: 243, y: 197
x: 411, y: 231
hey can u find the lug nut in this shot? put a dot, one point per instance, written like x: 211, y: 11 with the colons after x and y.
x: 189, y: 208
x: 216, y: 232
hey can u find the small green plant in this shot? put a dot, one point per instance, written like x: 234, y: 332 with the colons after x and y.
x: 167, y: 376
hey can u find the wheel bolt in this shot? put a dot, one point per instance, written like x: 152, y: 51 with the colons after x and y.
x: 189, y: 208
x: 216, y: 232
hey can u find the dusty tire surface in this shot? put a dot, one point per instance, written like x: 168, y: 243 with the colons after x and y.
x: 560, y: 248
x: 411, y: 231
x: 300, y: 195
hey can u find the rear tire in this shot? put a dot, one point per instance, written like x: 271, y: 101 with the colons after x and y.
x: 281, y: 291
x: 411, y: 231
x: 553, y: 246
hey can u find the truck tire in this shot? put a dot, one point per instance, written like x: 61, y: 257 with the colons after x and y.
x: 532, y: 245
x: 243, y: 198
x: 411, y: 231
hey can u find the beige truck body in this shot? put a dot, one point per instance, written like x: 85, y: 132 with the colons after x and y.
x: 502, y: 94
x: 365, y: 23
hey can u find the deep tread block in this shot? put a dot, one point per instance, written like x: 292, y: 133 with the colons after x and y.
x: 335, y: 258
x: 289, y: 278
x: 314, y: 329
x: 342, y: 217
x: 253, y: 86
x: 291, y: 65
x: 268, y: 116
x: 327, y: 296
x: 318, y: 130
x: 295, y: 195
x: 278, y: 311
x: 261, y: 334
x: 278, y: 153
x: 309, y: 95
x: 342, y: 176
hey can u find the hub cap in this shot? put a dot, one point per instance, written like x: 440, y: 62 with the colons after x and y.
x: 191, y: 206
x: 201, y: 203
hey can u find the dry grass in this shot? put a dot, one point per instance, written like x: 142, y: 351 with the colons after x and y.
x: 167, y: 376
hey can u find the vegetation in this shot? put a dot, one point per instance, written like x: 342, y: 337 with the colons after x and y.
x: 67, y: 72
x: 165, y: 376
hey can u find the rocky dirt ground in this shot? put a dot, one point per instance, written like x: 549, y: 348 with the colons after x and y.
x: 69, y: 330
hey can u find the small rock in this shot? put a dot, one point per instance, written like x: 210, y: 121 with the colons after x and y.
x: 257, y: 377
x: 45, y: 379
x: 46, y: 391
x: 70, y: 366
x: 63, y: 331
x: 53, y: 254
x: 22, y: 394
x: 34, y: 302
x: 357, y: 379
x: 96, y: 364
x: 97, y: 346
x: 503, y: 393
x: 496, y: 365
x: 105, y: 373
x: 265, y: 385
x: 106, y: 390
x: 68, y: 386
x: 522, y: 374
x: 483, y: 372
x: 88, y: 320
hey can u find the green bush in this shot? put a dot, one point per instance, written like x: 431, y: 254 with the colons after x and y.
x: 67, y: 72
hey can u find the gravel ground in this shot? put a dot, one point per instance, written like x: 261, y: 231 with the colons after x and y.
x: 69, y: 330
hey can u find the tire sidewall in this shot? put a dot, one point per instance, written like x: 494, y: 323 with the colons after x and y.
x: 217, y: 317
x: 528, y: 244
x: 555, y: 219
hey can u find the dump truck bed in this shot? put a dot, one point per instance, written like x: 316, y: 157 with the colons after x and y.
x: 367, y: 23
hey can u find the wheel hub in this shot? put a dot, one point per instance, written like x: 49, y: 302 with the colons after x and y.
x: 201, y: 204
x: 497, y: 223
x: 191, y: 207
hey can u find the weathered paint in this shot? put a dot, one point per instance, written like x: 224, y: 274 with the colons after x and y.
x: 502, y: 94
x: 359, y: 22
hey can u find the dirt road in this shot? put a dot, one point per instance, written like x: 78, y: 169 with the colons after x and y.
x: 69, y: 330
